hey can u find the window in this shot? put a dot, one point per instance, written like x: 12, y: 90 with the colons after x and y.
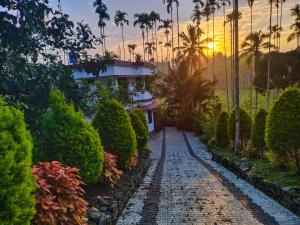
x: 149, y: 116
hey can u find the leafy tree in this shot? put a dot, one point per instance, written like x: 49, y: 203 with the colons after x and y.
x: 16, y: 182
x: 115, y: 129
x: 120, y: 20
x: 66, y: 137
x: 139, y: 124
x: 258, y: 131
x: 245, y: 126
x: 283, y: 125
x: 222, y: 138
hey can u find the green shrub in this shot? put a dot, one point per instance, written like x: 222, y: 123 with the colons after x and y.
x: 208, y: 130
x: 139, y: 125
x: 115, y: 129
x: 160, y: 117
x: 222, y: 138
x: 66, y: 137
x: 245, y: 127
x: 16, y: 181
x: 258, y: 131
x: 283, y: 126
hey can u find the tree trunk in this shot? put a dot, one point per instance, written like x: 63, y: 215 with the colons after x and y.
x: 236, y: 74
x: 147, y: 31
x: 123, y: 42
x: 156, y: 45
x: 225, y: 60
x: 269, y: 58
x: 297, y: 159
x: 172, y: 48
x: 178, y: 28
x: 231, y: 64
x: 213, y: 57
x: 143, y: 34
x: 162, y: 58
x: 280, y: 22
x: 252, y: 59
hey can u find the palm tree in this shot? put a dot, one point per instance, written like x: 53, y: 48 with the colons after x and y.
x: 295, y: 27
x: 198, y: 2
x: 252, y: 48
x: 101, y: 10
x: 251, y: 3
x: 169, y: 4
x: 269, y: 55
x: 196, y: 16
x: 155, y: 17
x: 206, y: 13
x: 150, y: 49
x: 177, y: 18
x: 168, y: 45
x: 120, y: 20
x: 191, y: 49
x: 167, y: 26
x: 140, y: 19
x: 131, y: 49
x: 224, y: 3
x: 108, y: 56
x: 280, y: 21
x: 236, y: 77
x: 214, y: 5
x: 148, y: 25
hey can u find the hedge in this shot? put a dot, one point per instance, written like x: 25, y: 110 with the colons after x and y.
x: 16, y: 181
x: 66, y: 137
x: 222, y: 138
x: 283, y: 125
x: 115, y: 129
x: 139, y: 124
x: 258, y: 131
x: 245, y: 126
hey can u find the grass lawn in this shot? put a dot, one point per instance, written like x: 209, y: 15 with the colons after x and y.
x: 264, y: 168
x: 245, y: 99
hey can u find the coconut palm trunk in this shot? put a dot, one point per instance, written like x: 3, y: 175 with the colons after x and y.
x: 178, y: 27
x: 124, y: 53
x: 143, y: 35
x: 172, y: 48
x: 225, y: 60
x: 269, y: 57
x: 253, y: 63
x: 156, y: 42
x: 213, y: 49
x: 236, y: 78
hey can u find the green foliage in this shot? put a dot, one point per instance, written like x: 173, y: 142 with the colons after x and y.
x: 16, y: 181
x: 245, y: 126
x: 66, y: 137
x: 139, y: 124
x: 222, y: 138
x: 283, y: 125
x: 258, y: 130
x: 115, y: 129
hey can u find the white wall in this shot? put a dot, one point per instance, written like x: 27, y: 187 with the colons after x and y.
x: 151, y: 125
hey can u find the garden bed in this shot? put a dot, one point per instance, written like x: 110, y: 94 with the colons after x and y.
x: 106, y: 203
x: 286, y: 191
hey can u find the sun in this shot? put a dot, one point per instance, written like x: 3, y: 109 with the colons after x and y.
x: 212, y: 45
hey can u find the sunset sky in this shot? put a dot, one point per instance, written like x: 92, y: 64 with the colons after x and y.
x: 83, y: 10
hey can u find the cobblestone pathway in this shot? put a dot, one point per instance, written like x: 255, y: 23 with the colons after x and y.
x: 194, y: 190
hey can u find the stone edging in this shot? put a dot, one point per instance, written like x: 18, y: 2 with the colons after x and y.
x: 110, y: 209
x: 150, y: 208
x: 256, y: 210
x: 280, y: 195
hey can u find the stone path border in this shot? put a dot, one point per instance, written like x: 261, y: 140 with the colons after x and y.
x: 150, y: 208
x: 255, y: 210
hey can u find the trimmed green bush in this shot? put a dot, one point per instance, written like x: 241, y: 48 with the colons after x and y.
x: 283, y: 125
x: 115, y: 129
x: 16, y: 181
x: 245, y: 126
x: 258, y: 131
x: 139, y: 124
x: 66, y: 137
x: 222, y: 138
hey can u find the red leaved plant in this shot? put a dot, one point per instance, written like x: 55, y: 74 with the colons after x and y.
x: 59, y: 197
x: 133, y: 162
x: 111, y: 173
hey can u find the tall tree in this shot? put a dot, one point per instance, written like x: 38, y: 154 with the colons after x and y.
x: 169, y: 4
x: 140, y: 19
x: 177, y: 18
x: 131, y: 49
x: 251, y: 3
x: 224, y: 3
x: 150, y: 49
x: 162, y: 55
x: 236, y: 77
x: 192, y: 49
x: 214, y: 6
x: 120, y: 21
x: 269, y: 55
x: 206, y: 13
x: 280, y: 21
x: 101, y: 11
x: 295, y: 27
x: 155, y: 18
x: 252, y: 50
x: 166, y: 25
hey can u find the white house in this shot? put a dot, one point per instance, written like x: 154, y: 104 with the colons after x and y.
x: 124, y: 72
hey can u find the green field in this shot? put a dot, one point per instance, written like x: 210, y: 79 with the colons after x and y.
x: 245, y: 99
